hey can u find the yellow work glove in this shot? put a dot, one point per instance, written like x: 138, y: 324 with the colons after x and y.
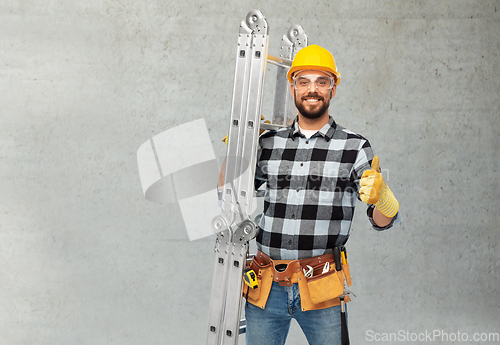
x: 373, y: 190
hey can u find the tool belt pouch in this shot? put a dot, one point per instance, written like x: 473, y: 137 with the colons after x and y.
x: 259, y: 295
x: 324, y: 286
x: 347, y: 273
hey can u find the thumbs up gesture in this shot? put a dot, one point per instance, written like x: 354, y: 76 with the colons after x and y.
x: 374, y: 190
x: 371, y: 183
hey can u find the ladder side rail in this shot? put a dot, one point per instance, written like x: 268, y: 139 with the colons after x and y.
x: 253, y: 112
x: 280, y: 96
x: 233, y: 153
x: 231, y: 323
x: 298, y: 37
x: 219, y: 287
x: 282, y: 88
x: 284, y: 105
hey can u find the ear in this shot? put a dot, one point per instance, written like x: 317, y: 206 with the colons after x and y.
x: 334, y: 91
x: 292, y: 90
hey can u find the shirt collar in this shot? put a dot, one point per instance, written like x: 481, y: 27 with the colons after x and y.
x: 326, y: 131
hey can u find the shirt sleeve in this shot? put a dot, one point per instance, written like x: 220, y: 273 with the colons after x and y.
x: 260, y: 177
x: 362, y: 163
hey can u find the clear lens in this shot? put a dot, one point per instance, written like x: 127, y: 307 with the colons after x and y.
x: 304, y: 82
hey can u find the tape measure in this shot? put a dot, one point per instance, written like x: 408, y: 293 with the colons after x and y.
x: 250, y: 278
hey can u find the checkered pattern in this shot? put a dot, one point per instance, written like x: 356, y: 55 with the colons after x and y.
x: 312, y: 187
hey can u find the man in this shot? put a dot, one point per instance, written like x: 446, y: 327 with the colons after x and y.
x: 315, y: 170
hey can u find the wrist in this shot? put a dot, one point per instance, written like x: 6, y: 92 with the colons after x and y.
x: 379, y: 219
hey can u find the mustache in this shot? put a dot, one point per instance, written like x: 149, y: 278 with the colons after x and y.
x: 313, y: 94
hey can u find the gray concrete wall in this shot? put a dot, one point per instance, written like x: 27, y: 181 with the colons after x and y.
x: 84, y: 259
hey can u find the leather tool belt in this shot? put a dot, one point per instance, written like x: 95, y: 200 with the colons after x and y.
x: 320, y: 289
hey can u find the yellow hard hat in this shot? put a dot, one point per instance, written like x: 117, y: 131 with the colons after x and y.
x: 313, y: 57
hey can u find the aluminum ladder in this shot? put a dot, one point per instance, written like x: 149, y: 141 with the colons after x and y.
x: 234, y: 226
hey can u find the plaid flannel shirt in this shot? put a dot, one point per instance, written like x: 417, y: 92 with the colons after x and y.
x: 312, y: 187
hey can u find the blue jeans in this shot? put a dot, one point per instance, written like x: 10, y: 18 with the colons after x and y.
x: 270, y: 326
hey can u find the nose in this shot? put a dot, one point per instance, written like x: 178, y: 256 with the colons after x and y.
x: 311, y: 84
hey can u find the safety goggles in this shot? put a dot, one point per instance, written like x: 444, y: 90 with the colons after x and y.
x: 304, y: 82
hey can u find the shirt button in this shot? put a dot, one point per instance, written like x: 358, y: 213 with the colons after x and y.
x: 290, y: 242
x: 307, y: 141
x: 301, y: 164
x: 293, y: 216
x: 298, y: 190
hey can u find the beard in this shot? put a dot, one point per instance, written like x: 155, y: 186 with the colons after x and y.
x: 312, y: 111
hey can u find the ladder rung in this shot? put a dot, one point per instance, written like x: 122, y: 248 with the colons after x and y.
x: 279, y: 61
x: 270, y: 126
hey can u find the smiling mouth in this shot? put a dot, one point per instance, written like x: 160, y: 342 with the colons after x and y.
x: 312, y: 100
